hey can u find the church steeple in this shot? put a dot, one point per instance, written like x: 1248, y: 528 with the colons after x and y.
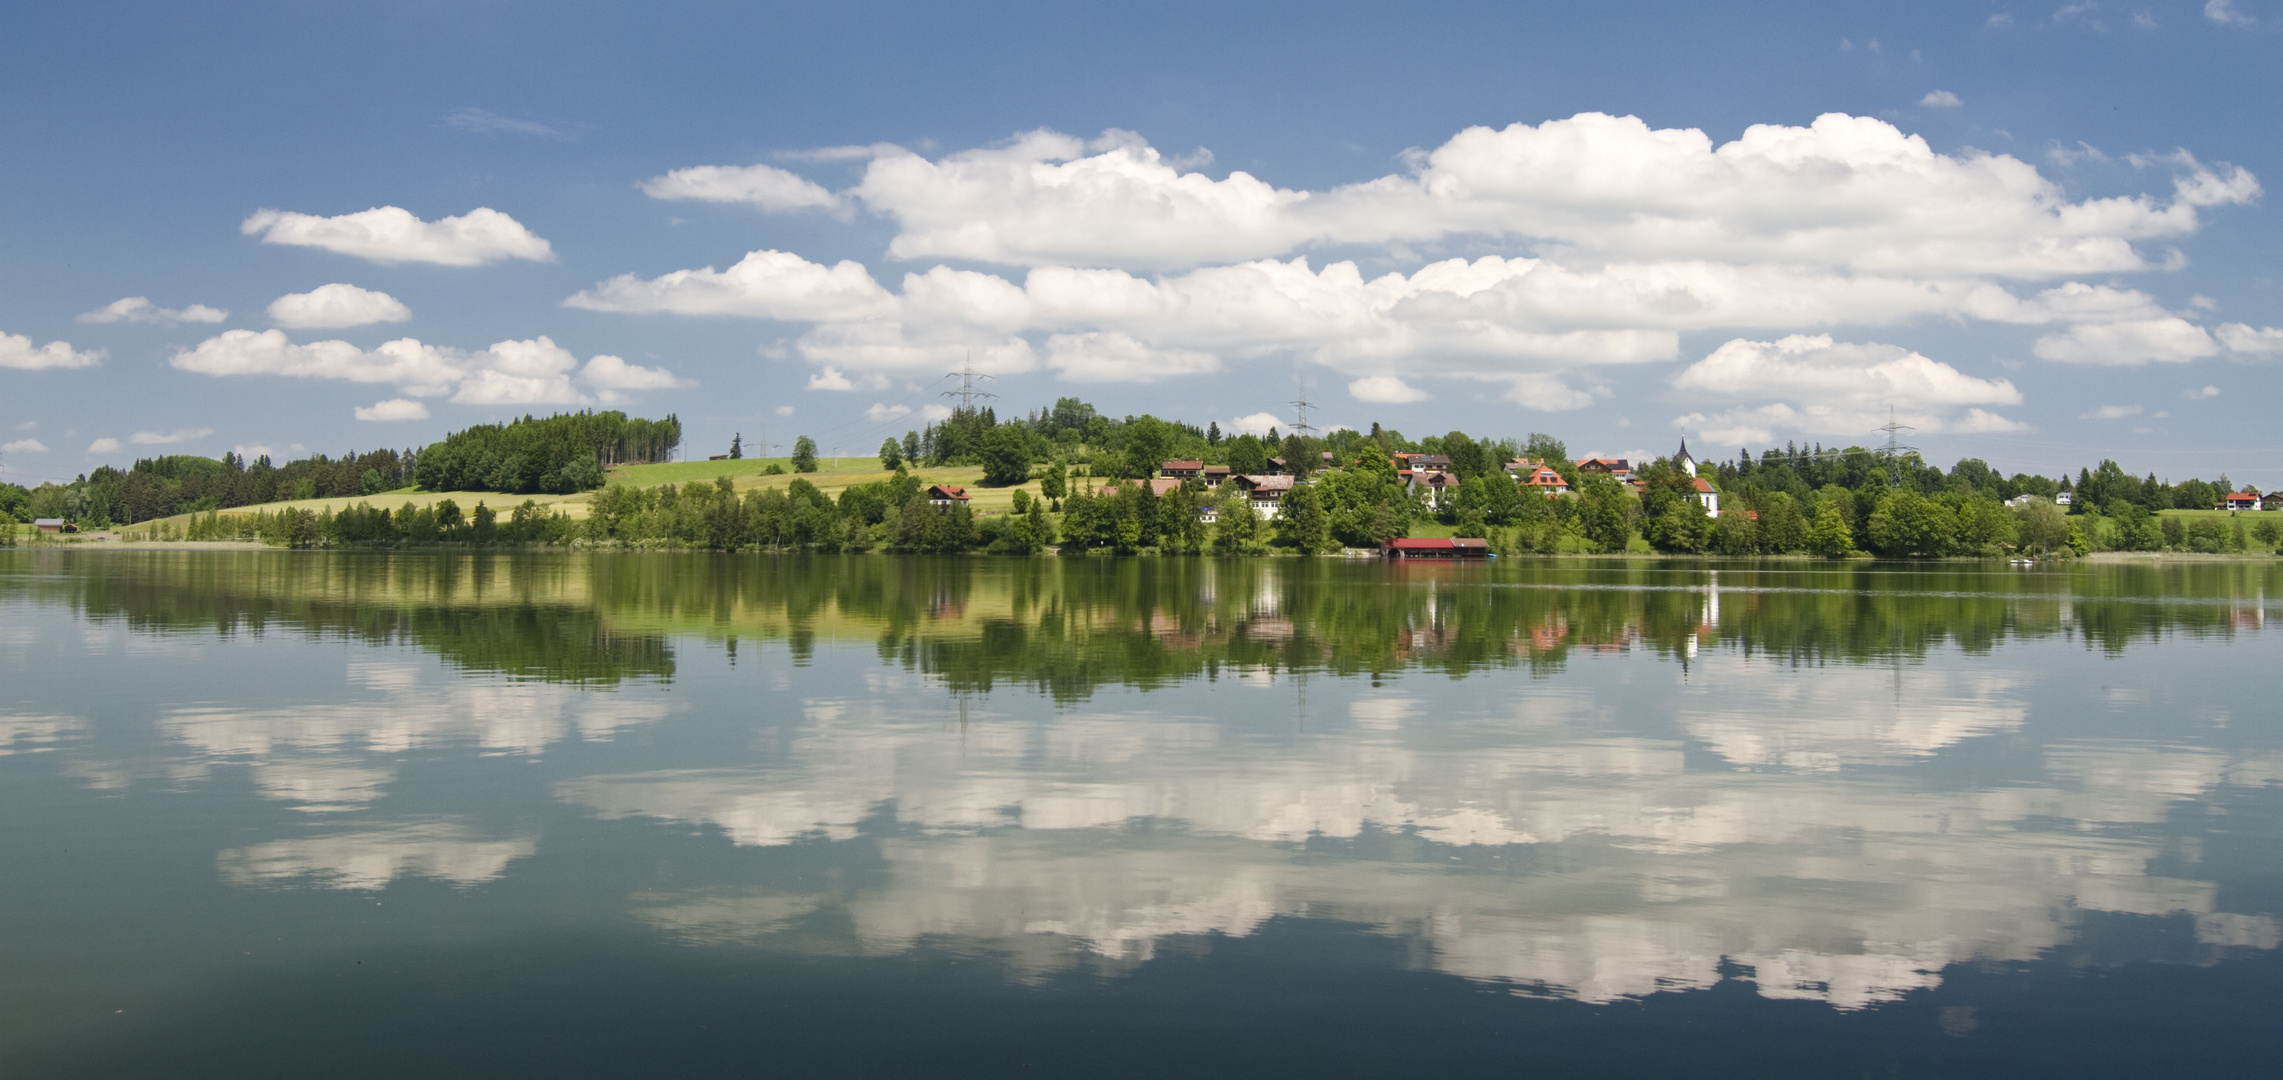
x: 1682, y: 459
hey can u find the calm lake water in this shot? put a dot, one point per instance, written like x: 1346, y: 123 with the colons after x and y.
x: 297, y: 814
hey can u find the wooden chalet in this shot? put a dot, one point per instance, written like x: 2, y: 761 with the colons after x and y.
x: 1434, y: 462
x: 1618, y: 469
x: 1215, y: 474
x: 1266, y: 493
x: 52, y: 526
x: 945, y: 496
x: 1454, y: 548
x: 1181, y: 470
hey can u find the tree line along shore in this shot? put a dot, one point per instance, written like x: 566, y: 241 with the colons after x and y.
x: 1071, y: 480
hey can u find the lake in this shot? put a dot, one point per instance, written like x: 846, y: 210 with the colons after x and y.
x: 301, y: 814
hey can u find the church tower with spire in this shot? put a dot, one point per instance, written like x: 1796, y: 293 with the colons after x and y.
x: 1682, y: 459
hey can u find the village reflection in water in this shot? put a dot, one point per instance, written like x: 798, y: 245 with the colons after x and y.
x: 1588, y: 780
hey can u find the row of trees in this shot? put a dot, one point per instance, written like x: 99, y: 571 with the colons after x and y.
x: 182, y: 483
x: 557, y: 454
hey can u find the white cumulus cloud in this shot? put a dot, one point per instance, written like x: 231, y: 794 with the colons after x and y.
x: 1815, y: 385
x: 16, y: 351
x: 1940, y: 99
x: 104, y: 446
x: 335, y: 306
x: 2225, y: 13
x: 2113, y: 412
x: 531, y: 372
x: 1385, y: 390
x: 764, y: 284
x: 1109, y: 356
x: 1256, y: 424
x: 140, y: 309
x: 167, y: 438
x: 2168, y: 340
x: 879, y: 413
x: 765, y: 186
x: 25, y: 446
x: 2252, y: 340
x: 393, y: 409
x: 392, y: 234
x: 1844, y: 191
x: 1613, y: 238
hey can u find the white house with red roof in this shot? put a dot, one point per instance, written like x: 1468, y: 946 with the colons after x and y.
x: 945, y: 496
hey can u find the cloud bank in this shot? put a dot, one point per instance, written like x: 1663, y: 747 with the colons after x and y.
x: 532, y: 372
x: 391, y: 234
x: 1609, y: 240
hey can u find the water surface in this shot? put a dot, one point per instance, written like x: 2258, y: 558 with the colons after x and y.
x: 276, y: 813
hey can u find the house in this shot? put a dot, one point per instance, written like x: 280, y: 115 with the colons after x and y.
x: 1181, y: 470
x: 1618, y: 469
x: 1708, y: 495
x: 1266, y: 493
x: 51, y: 526
x: 1279, y: 467
x: 1435, y: 485
x: 1214, y: 474
x: 1535, y: 477
x: 2062, y: 499
x: 2273, y: 501
x: 2239, y: 501
x: 1455, y: 548
x: 1421, y: 461
x: 946, y: 496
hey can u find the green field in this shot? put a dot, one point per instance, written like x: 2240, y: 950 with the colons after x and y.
x: 831, y: 477
x: 2249, y: 516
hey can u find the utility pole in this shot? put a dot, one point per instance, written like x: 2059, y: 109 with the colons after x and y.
x: 1894, y: 450
x: 967, y: 393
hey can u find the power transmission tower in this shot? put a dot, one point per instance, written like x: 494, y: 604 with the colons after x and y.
x: 967, y: 392
x: 1894, y: 450
x: 1300, y: 425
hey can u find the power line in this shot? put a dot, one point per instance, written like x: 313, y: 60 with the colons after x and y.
x: 1300, y: 425
x: 1894, y: 450
x: 967, y: 392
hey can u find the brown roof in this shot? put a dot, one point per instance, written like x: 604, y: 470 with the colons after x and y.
x: 1272, y: 483
x: 1190, y: 465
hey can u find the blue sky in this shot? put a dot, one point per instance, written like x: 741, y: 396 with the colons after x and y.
x: 2039, y: 233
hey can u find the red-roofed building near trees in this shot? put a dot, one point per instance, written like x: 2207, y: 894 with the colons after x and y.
x: 1454, y: 548
x: 946, y: 496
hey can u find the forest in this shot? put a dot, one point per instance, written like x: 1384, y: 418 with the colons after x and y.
x: 1809, y: 500
x: 556, y: 454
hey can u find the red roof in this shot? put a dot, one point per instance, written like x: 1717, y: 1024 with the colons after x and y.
x: 946, y: 491
x: 1702, y: 484
x: 1462, y: 543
